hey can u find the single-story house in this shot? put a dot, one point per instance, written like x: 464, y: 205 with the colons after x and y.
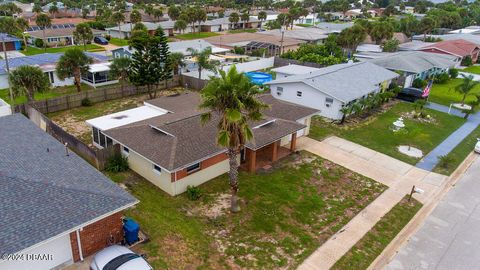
x: 46, y: 62
x: 126, y: 29
x: 416, y: 64
x: 290, y: 70
x: 307, y: 34
x: 468, y: 37
x: 457, y: 47
x: 56, y: 208
x: 166, y: 143
x: 413, y: 45
x: 12, y: 43
x: 334, y: 28
x: 329, y: 89
x: 254, y: 41
x: 58, y: 36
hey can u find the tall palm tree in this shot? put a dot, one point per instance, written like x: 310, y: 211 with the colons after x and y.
x: 466, y: 87
x: 245, y: 18
x: 72, y: 64
x: 135, y: 17
x: 28, y: 80
x: 117, y: 18
x: 234, y: 18
x: 262, y: 16
x: 119, y: 69
x: 231, y: 100
x: 22, y: 24
x: 176, y: 62
x: 53, y: 9
x: 43, y: 21
x: 203, y: 60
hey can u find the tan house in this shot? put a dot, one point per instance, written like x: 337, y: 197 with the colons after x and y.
x: 167, y: 144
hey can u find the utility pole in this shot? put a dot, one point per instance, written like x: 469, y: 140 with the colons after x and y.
x: 12, y: 100
x: 281, y: 40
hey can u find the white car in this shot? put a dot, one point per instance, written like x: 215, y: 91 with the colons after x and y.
x: 118, y: 258
x: 477, y: 146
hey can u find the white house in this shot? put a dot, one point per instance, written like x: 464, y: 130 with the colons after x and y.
x: 329, y: 89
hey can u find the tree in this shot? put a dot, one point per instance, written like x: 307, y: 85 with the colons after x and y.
x: 43, y: 21
x: 466, y: 87
x: 200, y: 15
x: 390, y: 45
x: 117, y: 18
x: 180, y: 25
x: 231, y: 100
x: 234, y: 18
x: 203, y: 60
x: 164, y: 56
x: 176, y: 62
x: 351, y: 37
x: 262, y: 16
x: 426, y: 26
x: 119, y: 69
x: 37, y: 8
x: 135, y: 17
x: 381, y: 31
x: 157, y: 14
x: 28, y: 80
x: 72, y: 64
x: 53, y: 9
x: 22, y: 25
x: 173, y: 12
x: 83, y: 34
x: 85, y: 12
x: 245, y: 18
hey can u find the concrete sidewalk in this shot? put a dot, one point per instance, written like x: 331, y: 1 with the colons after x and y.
x: 397, y: 175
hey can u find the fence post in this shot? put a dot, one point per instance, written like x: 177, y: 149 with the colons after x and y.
x: 68, y: 101
x: 104, y: 94
x: 46, y: 105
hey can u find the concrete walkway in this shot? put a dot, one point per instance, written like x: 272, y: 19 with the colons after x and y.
x: 431, y: 159
x: 397, y: 175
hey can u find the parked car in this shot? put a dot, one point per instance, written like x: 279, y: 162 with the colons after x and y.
x: 100, y: 40
x: 118, y: 258
x: 477, y: 146
x: 410, y: 94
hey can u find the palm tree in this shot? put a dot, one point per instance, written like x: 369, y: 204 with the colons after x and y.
x: 466, y: 87
x: 426, y: 26
x: 37, y: 8
x: 43, y: 21
x: 157, y: 14
x: 231, y: 100
x: 203, y: 60
x: 262, y: 16
x: 117, y: 18
x: 72, y: 64
x: 53, y: 9
x: 28, y: 80
x: 135, y: 17
x: 234, y: 18
x: 83, y: 34
x: 119, y: 70
x: 245, y: 18
x: 346, y: 110
x: 176, y: 62
x: 22, y: 24
x: 180, y: 25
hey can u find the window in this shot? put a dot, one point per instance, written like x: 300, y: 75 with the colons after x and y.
x: 157, y: 169
x: 299, y: 93
x: 95, y: 135
x: 279, y: 91
x: 126, y: 150
x: 328, y: 102
x: 193, y: 168
x: 102, y: 139
x: 109, y: 141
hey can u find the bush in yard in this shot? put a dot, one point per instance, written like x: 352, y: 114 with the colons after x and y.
x: 108, y: 37
x: 445, y: 161
x: 117, y: 163
x: 419, y: 83
x: 467, y: 61
x: 38, y: 43
x: 453, y: 72
x: 238, y: 50
x: 86, y: 102
x: 441, y: 78
x: 193, y: 193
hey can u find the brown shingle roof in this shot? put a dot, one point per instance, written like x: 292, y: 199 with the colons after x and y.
x: 231, y: 39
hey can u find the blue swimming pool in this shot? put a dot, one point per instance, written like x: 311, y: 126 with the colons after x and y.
x: 259, y: 77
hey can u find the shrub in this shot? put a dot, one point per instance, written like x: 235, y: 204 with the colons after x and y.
x: 193, y: 193
x: 442, y: 78
x: 108, y: 37
x: 86, y: 102
x: 238, y: 50
x: 445, y: 161
x: 38, y: 43
x: 467, y: 61
x: 453, y: 72
x: 117, y: 163
x: 419, y: 83
x: 390, y: 45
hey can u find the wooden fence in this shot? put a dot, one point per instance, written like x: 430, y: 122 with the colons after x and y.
x: 193, y: 82
x: 98, y: 95
x: 98, y: 157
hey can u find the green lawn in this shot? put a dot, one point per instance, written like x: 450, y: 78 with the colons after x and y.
x: 236, y: 31
x: 360, y: 256
x: 118, y: 41
x: 189, y: 36
x: 34, y: 50
x: 286, y: 214
x: 445, y: 93
x: 54, y: 92
x: 304, y: 25
x: 472, y: 69
x: 377, y: 135
x: 460, y: 152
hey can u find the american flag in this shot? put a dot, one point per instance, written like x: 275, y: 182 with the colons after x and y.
x: 426, y: 91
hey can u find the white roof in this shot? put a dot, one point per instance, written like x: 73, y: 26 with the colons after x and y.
x: 99, y: 67
x: 294, y: 69
x: 198, y: 44
x: 122, y: 118
x: 464, y: 31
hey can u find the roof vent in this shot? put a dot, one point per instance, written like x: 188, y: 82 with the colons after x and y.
x: 119, y: 117
x: 161, y: 131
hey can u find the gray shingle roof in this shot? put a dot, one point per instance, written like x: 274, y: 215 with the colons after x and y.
x: 307, y: 33
x: 415, y: 62
x: 345, y: 82
x: 46, y: 193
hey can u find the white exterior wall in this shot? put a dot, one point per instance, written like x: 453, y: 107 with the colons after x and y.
x: 99, y: 84
x: 310, y: 98
x: 116, y: 34
x: 4, y: 81
x: 4, y: 108
x: 58, y: 82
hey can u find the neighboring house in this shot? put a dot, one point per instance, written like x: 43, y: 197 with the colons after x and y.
x: 416, y: 64
x: 55, y: 207
x: 125, y: 30
x: 166, y: 143
x: 307, y: 34
x: 457, y: 47
x: 290, y: 70
x: 59, y: 5
x: 413, y: 45
x: 468, y: 37
x: 98, y: 74
x: 333, y: 27
x: 46, y: 62
x: 57, y: 37
x: 329, y: 89
x: 12, y: 43
x: 473, y: 29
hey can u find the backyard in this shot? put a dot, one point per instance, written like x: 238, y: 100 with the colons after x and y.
x: 445, y: 93
x: 189, y: 36
x: 52, y: 93
x: 33, y: 50
x: 376, y: 133
x: 287, y: 212
x: 472, y: 69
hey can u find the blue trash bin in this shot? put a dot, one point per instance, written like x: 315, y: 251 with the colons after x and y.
x: 131, y: 229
